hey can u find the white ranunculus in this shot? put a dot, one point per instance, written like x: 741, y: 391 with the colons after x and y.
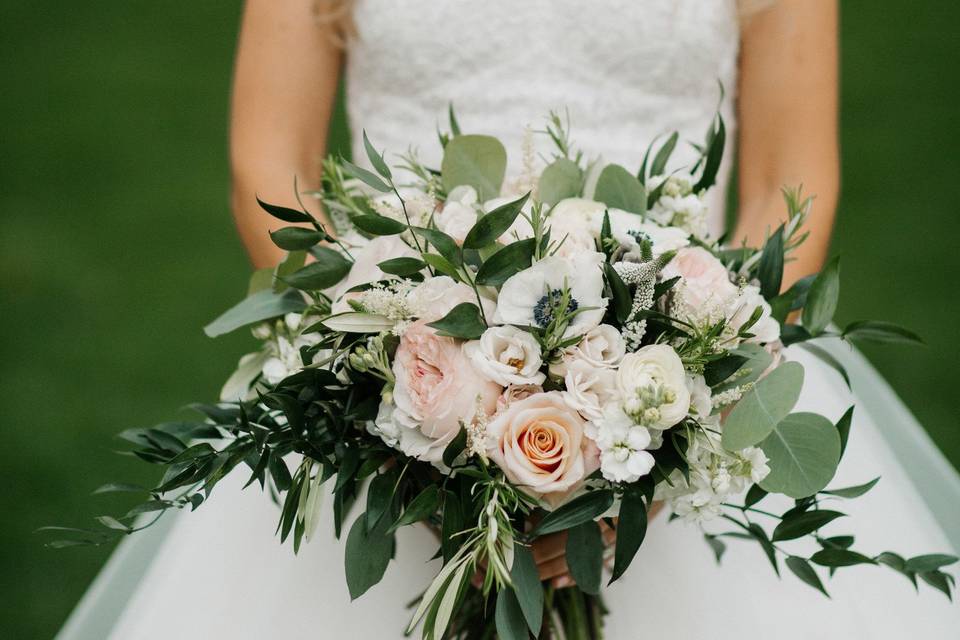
x: 653, y: 385
x: 628, y: 228
x: 506, y: 355
x: 589, y: 389
x: 459, y: 213
x: 528, y: 297
x: 766, y: 330
x: 622, y: 444
x: 601, y: 347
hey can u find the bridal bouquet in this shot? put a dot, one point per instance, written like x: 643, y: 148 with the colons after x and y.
x: 505, y: 361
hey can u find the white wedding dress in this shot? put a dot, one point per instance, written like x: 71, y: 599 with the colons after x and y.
x: 627, y: 71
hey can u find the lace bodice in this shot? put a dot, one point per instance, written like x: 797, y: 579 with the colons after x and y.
x: 626, y: 70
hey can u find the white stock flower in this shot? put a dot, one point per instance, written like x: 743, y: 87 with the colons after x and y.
x: 678, y: 206
x: 459, y: 213
x: 701, y: 402
x: 589, y: 389
x: 506, y: 355
x: 601, y: 347
x: 622, y: 444
x: 653, y: 384
x: 739, y: 310
x: 529, y: 297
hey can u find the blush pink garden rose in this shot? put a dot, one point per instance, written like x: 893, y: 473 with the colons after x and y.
x: 705, y: 281
x: 540, y: 445
x: 436, y: 389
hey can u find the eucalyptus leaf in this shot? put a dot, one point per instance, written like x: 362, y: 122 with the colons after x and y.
x: 758, y: 361
x: 822, y: 298
x: 761, y: 408
x: 561, y: 179
x: 258, y: 307
x: 619, y: 189
x: 474, y: 160
x: 803, y: 450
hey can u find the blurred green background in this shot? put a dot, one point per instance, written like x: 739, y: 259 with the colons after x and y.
x: 116, y: 243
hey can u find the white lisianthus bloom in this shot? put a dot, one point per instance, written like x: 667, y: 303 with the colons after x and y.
x: 628, y: 228
x: 530, y: 297
x: 653, y: 385
x: 506, y: 355
x: 589, y: 389
x: 739, y: 310
x: 701, y: 401
x: 459, y: 213
x: 622, y: 444
x: 601, y: 347
x: 678, y: 206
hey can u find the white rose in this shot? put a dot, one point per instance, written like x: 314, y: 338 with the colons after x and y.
x: 506, y: 355
x: 653, y: 384
x: 766, y: 330
x: 601, y: 347
x: 589, y: 389
x: 573, y: 225
x: 459, y: 213
x: 529, y: 297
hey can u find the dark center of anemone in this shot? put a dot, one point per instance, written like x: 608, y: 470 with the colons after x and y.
x: 639, y: 236
x: 547, y: 307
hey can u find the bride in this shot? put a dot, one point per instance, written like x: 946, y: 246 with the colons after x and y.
x: 627, y: 71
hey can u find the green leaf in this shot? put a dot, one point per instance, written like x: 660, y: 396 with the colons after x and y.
x: 717, y: 545
x: 585, y: 556
x: 761, y: 408
x: 376, y: 158
x: 511, y: 625
x: 717, y: 139
x: 803, y: 570
x: 119, y: 487
x: 561, y: 179
x: 631, y: 530
x: 754, y: 495
x: 420, y: 508
x: 839, y: 558
x: 822, y: 298
x: 804, y: 450
x: 663, y: 155
x: 464, y: 321
x: 402, y: 266
x: 379, y: 497
x: 492, y: 225
x: 881, y: 332
x: 295, y: 238
x: 453, y: 523
x: 357, y: 322
x: 478, y: 161
x: 367, y: 177
x: 619, y: 189
x: 758, y: 361
x: 837, y: 542
x: 929, y: 562
x: 511, y: 259
x: 622, y: 300
x: 329, y: 269
x: 758, y: 534
x: 939, y: 581
x: 284, y: 213
x: 455, y: 448
x: 719, y: 370
x: 527, y: 588
x: 444, y: 244
x: 770, y: 269
x: 378, y: 225
x: 442, y: 265
x: 800, y: 524
x: 589, y: 506
x: 367, y: 556
x: 258, y: 307
x: 843, y: 429
x: 826, y: 357
x: 853, y: 492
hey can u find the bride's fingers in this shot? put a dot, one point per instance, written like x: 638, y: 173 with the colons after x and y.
x: 549, y: 547
x: 553, y: 568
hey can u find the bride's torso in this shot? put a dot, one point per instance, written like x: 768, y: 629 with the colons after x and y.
x: 625, y: 70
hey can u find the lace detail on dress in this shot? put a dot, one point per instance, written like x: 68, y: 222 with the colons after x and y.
x: 626, y: 70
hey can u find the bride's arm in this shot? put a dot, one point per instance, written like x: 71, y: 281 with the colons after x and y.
x: 788, y: 123
x: 284, y: 88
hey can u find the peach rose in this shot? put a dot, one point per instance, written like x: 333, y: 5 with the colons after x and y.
x: 436, y: 388
x: 705, y: 281
x: 540, y: 445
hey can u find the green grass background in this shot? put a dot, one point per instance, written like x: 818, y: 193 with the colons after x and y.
x: 116, y: 243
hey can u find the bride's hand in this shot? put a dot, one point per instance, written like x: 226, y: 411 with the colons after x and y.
x: 550, y: 552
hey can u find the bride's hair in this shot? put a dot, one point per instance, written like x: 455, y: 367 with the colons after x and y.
x: 338, y: 14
